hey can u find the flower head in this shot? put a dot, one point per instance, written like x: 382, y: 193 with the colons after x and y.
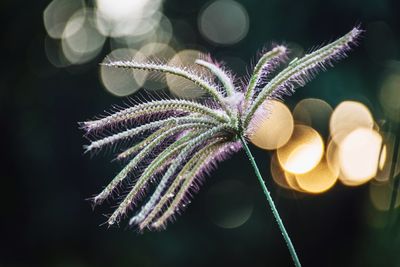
x: 176, y: 141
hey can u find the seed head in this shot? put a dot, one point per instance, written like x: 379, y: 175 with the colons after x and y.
x: 176, y: 141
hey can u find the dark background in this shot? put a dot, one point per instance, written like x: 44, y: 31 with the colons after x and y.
x: 45, y: 177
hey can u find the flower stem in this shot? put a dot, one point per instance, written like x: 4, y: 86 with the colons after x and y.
x: 272, y: 205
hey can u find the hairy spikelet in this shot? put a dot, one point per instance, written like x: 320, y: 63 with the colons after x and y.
x: 178, y: 141
x: 302, y: 70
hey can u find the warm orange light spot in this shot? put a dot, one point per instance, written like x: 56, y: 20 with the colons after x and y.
x: 359, y: 156
x: 382, y: 158
x: 303, y: 151
x: 292, y: 182
x: 332, y: 157
x: 276, y: 129
x: 282, y: 178
x: 348, y: 116
x: 318, y: 180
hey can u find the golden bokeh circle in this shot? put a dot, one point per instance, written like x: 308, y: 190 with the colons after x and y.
x: 319, y: 179
x: 278, y: 174
x: 303, y: 151
x: 359, y: 154
x: 348, y: 116
x: 276, y: 128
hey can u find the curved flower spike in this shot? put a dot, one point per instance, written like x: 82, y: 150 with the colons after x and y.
x: 189, y: 74
x: 265, y: 65
x: 178, y: 141
x: 224, y: 78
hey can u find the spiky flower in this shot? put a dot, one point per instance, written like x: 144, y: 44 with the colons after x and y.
x: 177, y: 141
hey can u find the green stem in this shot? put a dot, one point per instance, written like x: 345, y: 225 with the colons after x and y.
x: 272, y: 205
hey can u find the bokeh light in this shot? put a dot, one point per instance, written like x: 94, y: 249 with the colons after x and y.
x: 57, y: 14
x: 355, y: 152
x: 156, y: 51
x: 283, y: 178
x: 162, y: 33
x: 179, y: 86
x: 54, y: 53
x: 319, y: 179
x: 229, y: 204
x: 122, y: 82
x: 380, y: 195
x: 125, y: 17
x: 389, y: 96
x: 278, y: 174
x: 81, y: 40
x: 348, y: 116
x: 359, y: 156
x: 84, y: 29
x: 386, y: 159
x: 313, y: 112
x: 276, y: 128
x: 332, y: 156
x: 224, y: 22
x: 303, y: 151
x: 47, y: 96
x: 382, y: 158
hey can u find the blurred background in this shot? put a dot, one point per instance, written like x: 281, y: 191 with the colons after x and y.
x: 329, y: 153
